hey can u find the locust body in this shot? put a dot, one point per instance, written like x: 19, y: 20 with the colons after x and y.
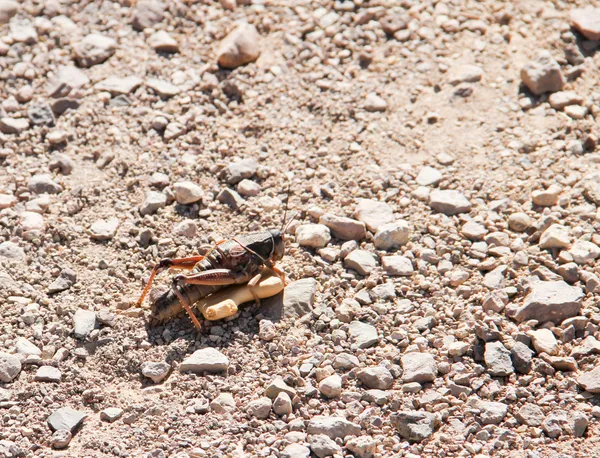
x: 236, y: 261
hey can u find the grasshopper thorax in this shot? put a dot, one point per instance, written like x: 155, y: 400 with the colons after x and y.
x: 278, y: 244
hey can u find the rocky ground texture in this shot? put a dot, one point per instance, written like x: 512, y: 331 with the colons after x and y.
x: 443, y: 265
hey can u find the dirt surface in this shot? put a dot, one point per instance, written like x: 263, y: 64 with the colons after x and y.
x: 340, y: 102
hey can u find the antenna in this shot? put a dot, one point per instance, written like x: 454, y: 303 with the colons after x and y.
x: 287, y: 201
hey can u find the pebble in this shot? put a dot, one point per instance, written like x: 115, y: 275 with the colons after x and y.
x: 497, y: 359
x: 547, y: 197
x: 344, y: 228
x: 239, y: 170
x: 152, y: 202
x: 147, y: 14
x: 449, y: 202
x: 94, y: 49
x: 548, y: 301
x: 373, y: 213
x: 415, y: 426
x: 25, y: 347
x: 173, y: 130
x: 84, y: 322
x: 279, y: 386
x: 43, y: 184
x: 119, y: 86
x: 587, y: 21
x: 282, y: 405
x: 162, y: 88
x: 61, y: 162
x: 474, y: 231
x: 7, y: 201
x: 10, y: 250
x: 323, y: 446
x: 331, y: 387
x: 428, y: 176
x: 23, y: 31
x: 362, y: 446
x: 562, y: 99
x: 363, y: 335
x: 240, y: 47
x: 231, y: 198
x: 584, y: 252
x: 31, y: 221
x: 161, y: 41
x: 397, y: 265
x: 576, y: 111
x: 40, y: 114
x: 298, y: 298
x: 492, y: 413
x: 332, y: 427
x: 104, y: 229
x: 556, y: 236
x: 10, y: 366
x: 313, y: 235
x: 519, y: 221
x: 542, y: 74
x: 295, y: 451
x: 61, y: 439
x: 111, y: 414
x: 464, y: 74
x: 259, y: 408
x: 205, y: 360
x: 187, y: 228
x: 590, y: 381
x: 65, y: 418
x: 345, y: 361
x: 374, y: 103
x: 187, y: 192
x: 13, y: 125
x: 543, y: 340
x: 377, y: 377
x: 530, y: 415
x: 156, y: 371
x: 224, y: 403
x: 361, y: 261
x: 392, y: 235
x: 48, y: 374
x: 66, y: 79
x: 8, y: 9
x: 419, y: 367
x: 66, y: 279
x: 248, y: 188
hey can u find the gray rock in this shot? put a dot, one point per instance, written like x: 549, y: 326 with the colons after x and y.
x: 495, y: 279
x: 323, y: 446
x: 10, y: 250
x: 9, y: 449
x: 553, y: 424
x: 43, y: 184
x: 61, y: 439
x: 415, y: 426
x: 377, y: 377
x: 65, y: 280
x: 562, y: 99
x: 224, y: 403
x: 578, y: 424
x: 428, y: 176
x: 84, y: 322
x: 94, y: 49
x: 363, y: 335
x: 40, y: 114
x: 521, y: 356
x: 161, y: 41
x: 62, y: 163
x: 584, y: 252
x: 556, y: 236
x: 104, y: 229
x: 240, y: 47
x: 259, y: 408
x: 591, y: 191
x: 397, y: 265
x: 65, y: 80
x: 491, y: 413
x: 282, y: 405
x: 156, y: 371
x: 23, y: 31
x: 313, y: 235
x: 344, y: 228
x: 148, y: 13
x: 497, y: 359
x: 586, y: 20
x: 331, y: 387
x: 464, y: 74
x: 111, y: 414
x: 13, y: 125
x: 295, y: 451
x: 361, y: 261
x: 248, y: 188
x: 542, y: 74
x: 65, y: 418
x: 548, y: 301
x: 174, y: 130
x: 449, y: 202
x: 8, y: 9
x: 543, y: 341
x: 530, y: 415
x: 25, y: 347
x: 362, y: 446
x: 205, y: 360
x: 519, y: 221
x: 119, y: 86
x: 345, y: 362
x: 231, y: 198
x: 590, y: 381
x: 162, y: 88
x: 237, y: 171
x: 10, y: 366
x: 374, y: 103
x: 279, y: 386
x: 187, y: 192
x: 373, y: 213
x: 392, y: 235
x: 474, y: 231
x: 298, y: 297
x: 48, y: 374
x: 332, y: 427
x: 152, y: 202
x: 418, y: 367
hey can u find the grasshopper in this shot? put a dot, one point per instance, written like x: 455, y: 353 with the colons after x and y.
x: 230, y: 262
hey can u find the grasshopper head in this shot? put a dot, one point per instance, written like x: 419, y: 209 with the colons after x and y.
x: 278, y: 244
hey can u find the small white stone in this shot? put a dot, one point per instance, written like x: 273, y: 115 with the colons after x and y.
x: 576, y: 111
x: 248, y: 188
x: 187, y: 192
x: 156, y: 371
x: 584, y: 252
x: 361, y: 261
x: 556, y: 236
x: 331, y: 386
x: 397, y: 265
x: 428, y: 176
x: 375, y: 103
x: 543, y: 341
x: 392, y: 235
x: 313, y: 235
x: 104, y: 229
x: 547, y: 197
